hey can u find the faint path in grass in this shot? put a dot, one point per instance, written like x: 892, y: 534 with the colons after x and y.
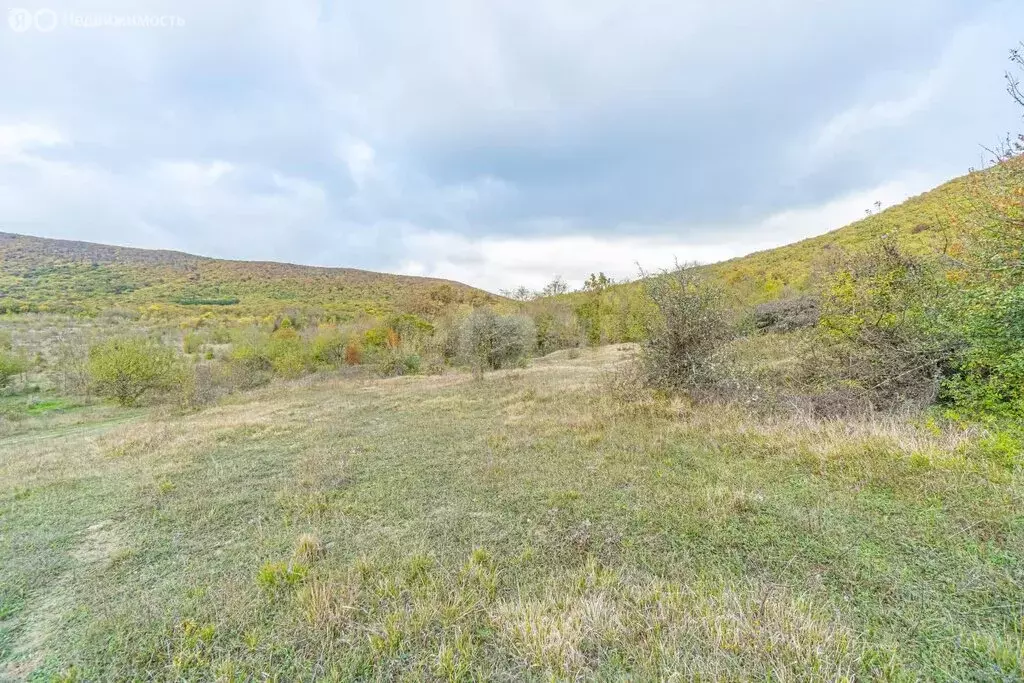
x: 75, y: 430
x: 98, y: 544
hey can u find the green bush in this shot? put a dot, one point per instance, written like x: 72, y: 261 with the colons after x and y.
x: 410, y: 327
x: 493, y: 341
x: 126, y: 369
x: 328, y: 349
x: 989, y: 375
x: 988, y: 295
x: 683, y: 341
x: 192, y: 342
x: 11, y: 365
x: 396, y: 362
x: 557, y: 326
x: 220, y: 335
x: 376, y: 338
x: 288, y: 353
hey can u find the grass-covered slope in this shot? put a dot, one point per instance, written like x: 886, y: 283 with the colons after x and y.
x: 38, y: 274
x: 927, y: 223
x: 529, y: 526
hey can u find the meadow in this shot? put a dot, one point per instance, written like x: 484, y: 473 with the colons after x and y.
x: 536, y: 523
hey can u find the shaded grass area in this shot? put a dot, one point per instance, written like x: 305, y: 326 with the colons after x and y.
x: 530, y: 525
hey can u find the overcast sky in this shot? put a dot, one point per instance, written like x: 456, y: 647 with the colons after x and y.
x: 496, y: 142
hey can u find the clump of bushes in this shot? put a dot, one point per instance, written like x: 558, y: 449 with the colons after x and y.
x: 250, y: 363
x: 490, y: 341
x: 127, y: 369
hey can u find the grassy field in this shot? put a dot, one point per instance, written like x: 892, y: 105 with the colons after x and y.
x: 534, y: 524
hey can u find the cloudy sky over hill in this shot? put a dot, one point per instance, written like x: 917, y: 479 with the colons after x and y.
x: 493, y: 142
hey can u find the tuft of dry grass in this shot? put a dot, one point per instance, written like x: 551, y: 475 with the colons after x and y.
x: 308, y: 548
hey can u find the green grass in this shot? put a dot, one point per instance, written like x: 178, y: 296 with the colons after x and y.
x: 532, y: 525
x: 16, y: 407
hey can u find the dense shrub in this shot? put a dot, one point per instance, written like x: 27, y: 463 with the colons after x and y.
x: 410, y: 328
x: 988, y: 272
x: 692, y: 326
x: 192, y: 342
x: 249, y: 363
x: 376, y: 338
x: 204, y: 383
x: 989, y: 376
x: 397, y: 362
x: 126, y: 369
x: 353, y: 353
x: 885, y: 332
x: 491, y: 341
x: 443, y: 345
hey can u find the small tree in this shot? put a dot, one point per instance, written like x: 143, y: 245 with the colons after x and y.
x: 556, y: 287
x: 126, y: 369
x: 493, y: 341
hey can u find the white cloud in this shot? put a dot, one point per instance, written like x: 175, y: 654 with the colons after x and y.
x: 18, y: 138
x: 845, y: 127
x: 360, y: 159
x: 191, y: 173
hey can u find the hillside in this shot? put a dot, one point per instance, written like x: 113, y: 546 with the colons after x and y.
x: 927, y: 223
x: 38, y: 274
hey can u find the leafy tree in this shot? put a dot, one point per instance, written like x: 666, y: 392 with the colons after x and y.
x: 597, y: 283
x: 989, y: 274
x: 126, y: 369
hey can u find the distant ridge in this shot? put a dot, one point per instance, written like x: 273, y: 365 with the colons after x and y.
x: 70, y: 276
